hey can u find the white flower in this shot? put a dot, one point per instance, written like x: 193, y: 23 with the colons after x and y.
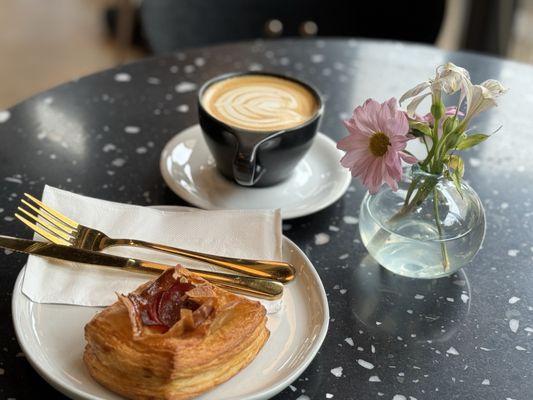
x: 449, y: 78
x: 482, y: 97
x: 452, y: 78
x: 414, y: 103
x: 494, y: 86
x: 415, y: 91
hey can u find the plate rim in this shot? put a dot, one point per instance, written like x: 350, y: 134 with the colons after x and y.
x: 286, y: 215
x: 76, y: 393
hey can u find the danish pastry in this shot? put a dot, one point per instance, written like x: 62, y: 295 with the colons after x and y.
x: 173, y: 338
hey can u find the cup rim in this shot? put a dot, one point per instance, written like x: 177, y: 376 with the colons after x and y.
x: 312, y: 89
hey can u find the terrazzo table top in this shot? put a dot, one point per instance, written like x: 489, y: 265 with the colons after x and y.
x: 464, y: 337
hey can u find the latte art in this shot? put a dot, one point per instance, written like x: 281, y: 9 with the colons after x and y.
x: 260, y: 102
x: 259, y: 106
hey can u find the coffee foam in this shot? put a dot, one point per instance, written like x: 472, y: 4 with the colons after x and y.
x: 260, y: 102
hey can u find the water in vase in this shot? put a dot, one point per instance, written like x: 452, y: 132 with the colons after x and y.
x: 412, y: 245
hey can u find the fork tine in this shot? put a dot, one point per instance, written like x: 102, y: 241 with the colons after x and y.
x: 54, y: 221
x: 57, y: 214
x: 42, y: 232
x: 46, y: 225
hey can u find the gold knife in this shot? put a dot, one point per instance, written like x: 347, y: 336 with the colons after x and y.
x: 257, y: 287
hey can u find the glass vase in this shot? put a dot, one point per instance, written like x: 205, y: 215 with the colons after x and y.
x: 428, y: 228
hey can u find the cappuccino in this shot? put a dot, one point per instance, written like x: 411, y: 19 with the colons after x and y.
x: 261, y: 103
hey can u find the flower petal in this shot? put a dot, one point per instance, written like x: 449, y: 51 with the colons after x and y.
x: 352, y: 142
x: 390, y: 108
x: 394, y: 166
x: 412, y: 106
x: 360, y: 169
x: 374, y: 177
x: 479, y: 99
x: 397, y: 126
x: 351, y: 158
x: 452, y: 78
x: 495, y: 87
x: 408, y: 158
x: 368, y: 119
x: 391, y: 182
x: 366, y: 116
x: 414, y: 91
x: 353, y: 129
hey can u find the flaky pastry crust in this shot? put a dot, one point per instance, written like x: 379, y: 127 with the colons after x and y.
x: 200, y: 351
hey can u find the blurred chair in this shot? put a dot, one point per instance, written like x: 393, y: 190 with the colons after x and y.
x: 479, y: 25
x: 169, y: 25
x: 454, y: 25
x: 490, y: 26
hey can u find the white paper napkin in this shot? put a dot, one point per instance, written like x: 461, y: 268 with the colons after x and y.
x: 235, y: 233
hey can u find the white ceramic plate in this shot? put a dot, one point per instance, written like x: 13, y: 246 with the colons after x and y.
x: 51, y: 337
x: 189, y: 170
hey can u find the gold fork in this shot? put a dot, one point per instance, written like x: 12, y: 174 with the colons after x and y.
x: 60, y: 229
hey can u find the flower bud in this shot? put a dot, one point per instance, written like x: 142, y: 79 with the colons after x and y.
x: 437, y: 110
x: 450, y: 124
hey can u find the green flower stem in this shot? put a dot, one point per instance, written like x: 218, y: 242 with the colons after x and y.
x: 429, y: 157
x: 426, y: 188
x: 435, y: 146
x: 423, y: 191
x: 425, y: 143
x: 435, y: 139
x: 421, y: 194
x: 410, y: 190
x: 443, y: 249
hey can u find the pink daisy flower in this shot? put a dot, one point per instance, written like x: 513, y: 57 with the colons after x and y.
x: 376, y: 144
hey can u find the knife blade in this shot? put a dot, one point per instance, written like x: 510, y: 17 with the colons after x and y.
x: 51, y: 250
x: 258, y: 287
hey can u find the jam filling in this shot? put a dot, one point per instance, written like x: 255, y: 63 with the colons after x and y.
x: 159, y: 305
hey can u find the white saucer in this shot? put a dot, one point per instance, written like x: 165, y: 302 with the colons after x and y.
x: 189, y: 170
x: 51, y: 336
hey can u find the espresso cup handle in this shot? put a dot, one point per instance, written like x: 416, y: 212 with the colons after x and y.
x: 246, y: 169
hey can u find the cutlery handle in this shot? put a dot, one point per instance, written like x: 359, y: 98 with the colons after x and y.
x: 256, y: 287
x: 277, y: 270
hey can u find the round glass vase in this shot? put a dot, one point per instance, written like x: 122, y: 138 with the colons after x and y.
x: 426, y: 229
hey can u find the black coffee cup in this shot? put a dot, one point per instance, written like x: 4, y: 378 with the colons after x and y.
x: 257, y: 158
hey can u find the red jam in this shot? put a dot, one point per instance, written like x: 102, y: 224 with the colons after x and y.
x: 160, y: 304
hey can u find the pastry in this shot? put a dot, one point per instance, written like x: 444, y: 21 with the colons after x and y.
x: 173, y: 338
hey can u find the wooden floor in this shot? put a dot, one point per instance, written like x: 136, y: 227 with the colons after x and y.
x: 46, y: 42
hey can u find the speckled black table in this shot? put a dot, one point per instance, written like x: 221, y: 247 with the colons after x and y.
x: 466, y: 337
